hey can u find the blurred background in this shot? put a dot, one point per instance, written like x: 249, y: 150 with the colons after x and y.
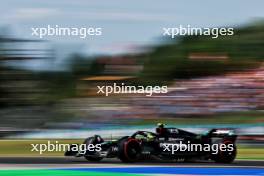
x: 48, y: 88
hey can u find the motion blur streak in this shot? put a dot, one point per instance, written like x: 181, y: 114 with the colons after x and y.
x: 212, y: 82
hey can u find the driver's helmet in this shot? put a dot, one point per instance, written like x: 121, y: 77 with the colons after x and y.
x: 160, y: 125
x: 160, y: 128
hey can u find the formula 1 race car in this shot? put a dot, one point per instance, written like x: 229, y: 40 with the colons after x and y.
x: 168, y: 144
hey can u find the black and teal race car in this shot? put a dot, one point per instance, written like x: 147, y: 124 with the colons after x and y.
x: 166, y: 144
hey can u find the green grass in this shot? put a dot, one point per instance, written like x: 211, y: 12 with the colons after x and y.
x: 250, y: 153
x: 24, y: 147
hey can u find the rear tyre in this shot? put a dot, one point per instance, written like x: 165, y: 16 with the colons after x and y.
x: 226, y: 156
x: 129, y: 150
x: 92, y: 156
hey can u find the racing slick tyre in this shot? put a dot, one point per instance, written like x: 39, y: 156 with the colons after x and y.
x: 129, y: 150
x: 226, y: 156
x: 93, y: 155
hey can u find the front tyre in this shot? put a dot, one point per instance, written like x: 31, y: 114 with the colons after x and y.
x: 92, y: 156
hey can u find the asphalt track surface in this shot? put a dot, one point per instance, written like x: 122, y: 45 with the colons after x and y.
x: 71, y: 161
x: 68, y: 166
